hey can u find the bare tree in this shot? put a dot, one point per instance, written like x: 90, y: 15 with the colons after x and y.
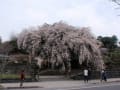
x: 55, y: 43
x: 116, y: 1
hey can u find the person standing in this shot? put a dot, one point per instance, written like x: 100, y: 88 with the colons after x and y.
x: 86, y: 75
x: 103, y: 75
x: 22, y: 78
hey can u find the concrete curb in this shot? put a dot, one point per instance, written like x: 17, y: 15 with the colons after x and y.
x: 25, y: 87
x: 109, y: 81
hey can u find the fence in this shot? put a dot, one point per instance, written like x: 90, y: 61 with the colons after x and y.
x: 96, y: 74
x: 75, y: 74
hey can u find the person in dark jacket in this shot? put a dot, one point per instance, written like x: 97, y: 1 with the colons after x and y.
x: 103, y: 75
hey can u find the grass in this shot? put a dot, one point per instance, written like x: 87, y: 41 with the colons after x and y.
x: 11, y: 76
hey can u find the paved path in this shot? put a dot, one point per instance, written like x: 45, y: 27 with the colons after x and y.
x: 98, y: 86
x: 56, y: 84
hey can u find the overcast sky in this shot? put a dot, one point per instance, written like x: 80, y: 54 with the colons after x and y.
x: 99, y: 15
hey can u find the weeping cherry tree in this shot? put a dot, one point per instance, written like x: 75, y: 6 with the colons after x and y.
x: 56, y: 43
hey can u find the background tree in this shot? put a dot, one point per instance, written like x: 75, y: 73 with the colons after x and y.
x: 109, y: 42
x: 112, y: 53
x: 5, y: 48
x: 0, y: 40
x: 10, y: 47
x: 13, y: 43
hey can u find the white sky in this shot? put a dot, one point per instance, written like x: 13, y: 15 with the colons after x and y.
x: 99, y: 15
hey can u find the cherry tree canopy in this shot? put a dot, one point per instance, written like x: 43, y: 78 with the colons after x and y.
x: 56, y: 43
